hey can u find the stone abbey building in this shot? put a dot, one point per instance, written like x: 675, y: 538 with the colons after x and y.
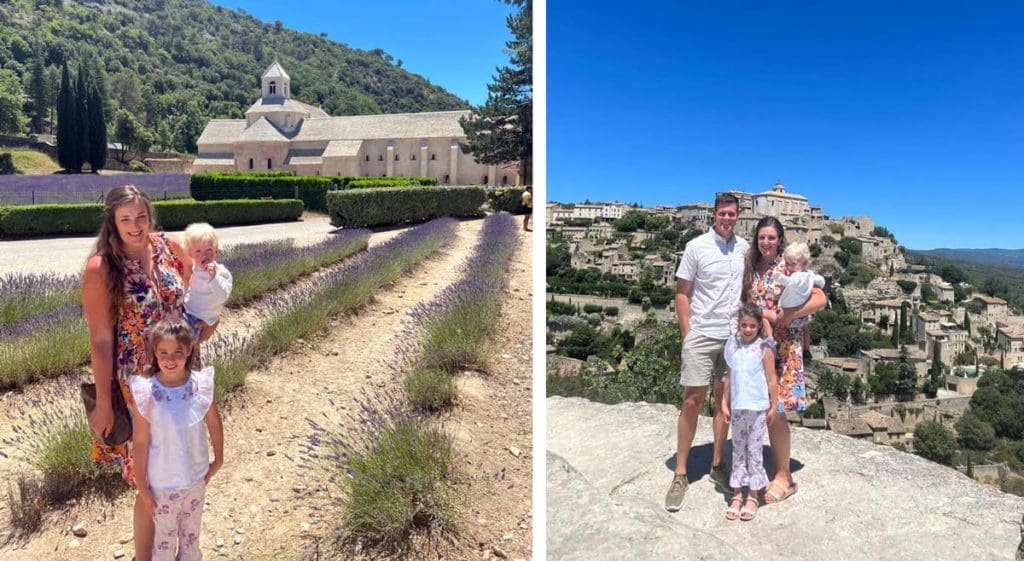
x: 281, y: 133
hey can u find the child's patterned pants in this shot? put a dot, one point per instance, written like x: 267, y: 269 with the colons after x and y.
x: 748, y: 428
x: 179, y: 515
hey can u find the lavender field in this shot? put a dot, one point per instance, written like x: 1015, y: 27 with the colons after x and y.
x: 86, y: 187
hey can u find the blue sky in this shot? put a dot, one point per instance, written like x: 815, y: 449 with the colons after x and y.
x: 909, y: 112
x: 456, y: 44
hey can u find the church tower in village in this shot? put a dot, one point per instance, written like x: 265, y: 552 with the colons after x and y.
x: 277, y: 106
x: 276, y: 82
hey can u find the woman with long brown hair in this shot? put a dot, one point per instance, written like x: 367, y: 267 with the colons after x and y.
x: 134, y: 277
x: 764, y: 258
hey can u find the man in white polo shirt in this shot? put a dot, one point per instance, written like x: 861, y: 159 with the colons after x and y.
x: 708, y: 285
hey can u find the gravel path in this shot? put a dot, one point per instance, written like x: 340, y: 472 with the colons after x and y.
x: 67, y: 255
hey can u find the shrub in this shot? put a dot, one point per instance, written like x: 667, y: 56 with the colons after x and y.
x: 430, y: 389
x: 25, y: 503
x: 386, y: 206
x: 611, y: 310
x: 554, y: 307
x: 508, y: 199
x: 38, y: 220
x: 48, y: 344
x: 7, y: 164
x: 273, y: 185
x: 368, y: 182
x: 592, y: 309
x: 140, y: 167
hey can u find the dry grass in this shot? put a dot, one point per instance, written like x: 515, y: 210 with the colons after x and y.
x: 31, y: 162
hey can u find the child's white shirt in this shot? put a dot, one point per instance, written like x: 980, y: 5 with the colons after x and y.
x: 748, y: 387
x: 178, y: 453
x: 797, y: 287
x: 206, y: 296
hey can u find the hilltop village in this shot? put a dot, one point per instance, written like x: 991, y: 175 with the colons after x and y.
x: 908, y: 318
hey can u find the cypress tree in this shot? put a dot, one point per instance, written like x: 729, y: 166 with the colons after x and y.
x: 68, y: 145
x: 81, y: 116
x: 97, y: 145
x: 37, y: 89
x: 967, y: 323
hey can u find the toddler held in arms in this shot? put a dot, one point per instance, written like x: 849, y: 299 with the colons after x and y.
x: 210, y: 286
x: 798, y: 281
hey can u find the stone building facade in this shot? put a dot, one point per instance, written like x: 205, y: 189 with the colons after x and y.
x: 282, y: 133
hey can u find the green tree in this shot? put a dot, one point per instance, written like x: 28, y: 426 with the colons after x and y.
x: 585, y: 341
x: 857, y: 390
x: 96, y: 150
x: 11, y: 100
x: 69, y: 129
x: 883, y: 379
x: 936, y: 374
x: 906, y: 376
x: 37, y: 91
x: 934, y: 442
x: 928, y: 293
x: 975, y: 434
x: 134, y: 139
x: 501, y: 130
x: 631, y: 221
x: 188, y: 128
x: 81, y: 107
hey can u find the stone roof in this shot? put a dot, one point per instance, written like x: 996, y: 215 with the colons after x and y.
x: 850, y: 427
x: 929, y: 316
x: 989, y: 299
x: 278, y: 104
x: 221, y: 131
x: 780, y: 192
x: 214, y: 161
x: 261, y: 131
x: 814, y: 423
x: 893, y: 354
x: 341, y: 148
x: 275, y: 71
x: 878, y: 421
x: 304, y: 160
x: 891, y: 303
x: 1011, y: 332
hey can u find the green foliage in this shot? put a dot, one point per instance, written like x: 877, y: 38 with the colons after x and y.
x: 815, y: 250
x: 50, y: 353
x: 501, y: 130
x: 134, y: 138
x: 367, y: 182
x: 815, y: 411
x: 592, y: 308
x: 656, y: 223
x: 1013, y: 486
x: 11, y: 117
x: 834, y: 384
x: 432, y: 389
x: 883, y: 379
x: 928, y: 293
x: 836, y: 229
x: 7, y: 164
x: 554, y: 307
x: 934, y: 442
x: 850, y: 245
x: 632, y: 221
x: 999, y: 401
x: 907, y: 286
x: 385, y: 206
x: 858, y: 274
x: 906, y: 376
x: 508, y: 199
x: 842, y: 257
x: 882, y: 232
x: 38, y: 220
x: 611, y: 310
x: 311, y: 190
x: 400, y: 483
x: 96, y: 149
x: 585, y: 341
x: 975, y: 434
x: 840, y: 331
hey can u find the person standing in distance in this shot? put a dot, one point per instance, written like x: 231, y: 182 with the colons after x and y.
x: 528, y: 204
x: 708, y: 285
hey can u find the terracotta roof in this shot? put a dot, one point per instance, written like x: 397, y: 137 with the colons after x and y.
x: 1011, y: 332
x: 989, y: 299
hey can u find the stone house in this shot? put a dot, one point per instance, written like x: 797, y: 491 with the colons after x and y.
x: 1011, y: 337
x: 873, y: 312
x: 928, y: 320
x: 995, y: 308
x: 627, y: 270
x: 950, y: 340
x: 696, y: 214
x: 556, y: 213
x: 282, y: 133
x: 857, y: 226
x: 870, y: 358
x: 780, y: 204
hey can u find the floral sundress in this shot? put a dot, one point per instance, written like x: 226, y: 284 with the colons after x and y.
x: 789, y: 362
x: 145, y: 303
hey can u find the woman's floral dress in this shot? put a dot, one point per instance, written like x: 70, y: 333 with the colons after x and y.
x: 146, y: 301
x: 789, y: 362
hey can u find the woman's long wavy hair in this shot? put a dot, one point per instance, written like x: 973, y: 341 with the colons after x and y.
x: 754, y: 253
x: 109, y: 244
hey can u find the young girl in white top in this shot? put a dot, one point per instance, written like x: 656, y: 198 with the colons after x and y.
x: 750, y: 397
x: 174, y: 410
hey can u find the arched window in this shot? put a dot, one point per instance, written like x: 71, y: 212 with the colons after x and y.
x: 504, y: 180
x: 270, y: 164
x: 396, y: 157
x: 367, y: 157
x: 413, y: 157
x: 433, y: 156
x: 446, y: 179
x: 485, y: 180
x: 380, y: 157
x: 273, y: 88
x: 251, y: 163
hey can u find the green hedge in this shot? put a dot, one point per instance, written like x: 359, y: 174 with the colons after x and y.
x: 40, y: 220
x: 368, y: 182
x: 508, y: 199
x: 311, y: 189
x: 385, y: 206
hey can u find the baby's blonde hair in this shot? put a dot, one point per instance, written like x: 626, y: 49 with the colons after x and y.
x: 797, y: 251
x: 200, y: 232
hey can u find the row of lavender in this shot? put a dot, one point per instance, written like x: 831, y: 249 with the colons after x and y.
x: 52, y: 436
x: 43, y: 333
x: 87, y: 187
x: 387, y: 467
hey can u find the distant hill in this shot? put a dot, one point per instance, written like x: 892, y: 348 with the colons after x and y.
x: 1001, y: 279
x: 167, y: 59
x: 1003, y: 258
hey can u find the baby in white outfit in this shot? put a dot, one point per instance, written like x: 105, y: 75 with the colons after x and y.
x: 799, y: 282
x: 210, y: 284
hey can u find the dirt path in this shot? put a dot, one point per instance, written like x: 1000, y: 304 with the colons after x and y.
x: 256, y: 505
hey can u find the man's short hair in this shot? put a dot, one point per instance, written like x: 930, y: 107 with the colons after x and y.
x: 723, y: 199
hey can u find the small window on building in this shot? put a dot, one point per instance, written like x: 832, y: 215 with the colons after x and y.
x: 413, y: 157
x: 367, y: 157
x: 396, y: 157
x: 485, y: 180
x: 318, y: 172
x: 446, y: 179
x: 273, y: 88
x: 433, y: 156
x: 380, y: 157
x: 504, y: 180
x: 251, y: 163
x: 270, y: 164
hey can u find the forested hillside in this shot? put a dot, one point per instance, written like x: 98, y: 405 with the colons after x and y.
x: 174, y: 64
x: 1004, y: 258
